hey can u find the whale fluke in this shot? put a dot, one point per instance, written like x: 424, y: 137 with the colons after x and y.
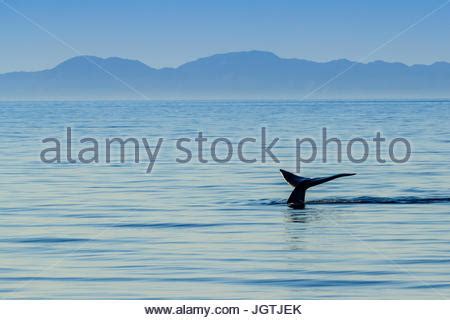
x: 301, y: 184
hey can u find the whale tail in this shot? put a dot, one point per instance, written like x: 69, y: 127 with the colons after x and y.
x: 301, y: 184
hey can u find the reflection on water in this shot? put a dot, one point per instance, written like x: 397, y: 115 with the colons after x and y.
x: 303, y: 216
x: 223, y: 230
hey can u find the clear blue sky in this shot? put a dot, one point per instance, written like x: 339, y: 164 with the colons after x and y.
x: 170, y: 32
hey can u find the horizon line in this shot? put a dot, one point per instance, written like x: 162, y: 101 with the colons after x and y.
x: 293, y: 100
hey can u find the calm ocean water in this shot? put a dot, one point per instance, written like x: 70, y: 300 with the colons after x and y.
x: 212, y: 230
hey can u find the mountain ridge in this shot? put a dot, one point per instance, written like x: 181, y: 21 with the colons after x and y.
x: 245, y: 74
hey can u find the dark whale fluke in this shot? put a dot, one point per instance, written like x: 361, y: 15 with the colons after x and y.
x: 301, y: 184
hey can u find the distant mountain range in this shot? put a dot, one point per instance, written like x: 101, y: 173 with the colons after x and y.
x: 251, y: 74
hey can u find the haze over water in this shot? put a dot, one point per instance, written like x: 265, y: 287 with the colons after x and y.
x: 195, y: 230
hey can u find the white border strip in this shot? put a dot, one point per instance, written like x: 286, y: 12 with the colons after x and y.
x: 310, y: 309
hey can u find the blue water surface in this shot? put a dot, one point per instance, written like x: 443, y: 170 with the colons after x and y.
x: 222, y: 230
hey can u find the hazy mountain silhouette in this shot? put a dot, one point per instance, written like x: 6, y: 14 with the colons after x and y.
x: 252, y: 74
